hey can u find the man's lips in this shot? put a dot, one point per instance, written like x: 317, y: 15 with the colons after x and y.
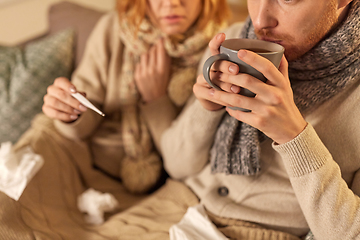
x: 271, y: 40
x: 278, y: 41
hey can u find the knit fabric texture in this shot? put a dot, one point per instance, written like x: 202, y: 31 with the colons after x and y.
x: 324, y: 71
x: 185, y: 52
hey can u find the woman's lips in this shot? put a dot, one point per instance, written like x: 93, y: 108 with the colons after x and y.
x: 172, y: 19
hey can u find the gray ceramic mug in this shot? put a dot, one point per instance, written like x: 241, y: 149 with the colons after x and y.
x: 228, y: 51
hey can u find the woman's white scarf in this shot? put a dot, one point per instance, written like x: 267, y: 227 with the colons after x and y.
x: 185, y: 56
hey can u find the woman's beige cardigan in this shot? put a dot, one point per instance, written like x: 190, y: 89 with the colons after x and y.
x: 98, y: 76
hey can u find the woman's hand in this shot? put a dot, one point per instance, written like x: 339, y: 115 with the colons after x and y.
x: 152, y: 73
x: 58, y: 102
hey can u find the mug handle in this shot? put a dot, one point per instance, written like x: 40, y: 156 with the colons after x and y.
x: 207, y: 65
x: 206, y: 72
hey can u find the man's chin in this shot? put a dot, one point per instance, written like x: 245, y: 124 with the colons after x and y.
x: 291, y: 56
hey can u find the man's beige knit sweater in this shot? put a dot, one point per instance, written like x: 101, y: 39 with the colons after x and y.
x: 312, y: 181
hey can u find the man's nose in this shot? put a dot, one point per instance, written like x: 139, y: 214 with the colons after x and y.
x: 266, y: 16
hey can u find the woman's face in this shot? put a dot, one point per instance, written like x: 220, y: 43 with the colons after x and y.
x: 174, y: 16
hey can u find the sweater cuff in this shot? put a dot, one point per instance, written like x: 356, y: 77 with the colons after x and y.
x: 69, y: 130
x: 81, y: 128
x: 159, y: 106
x: 304, y: 154
x: 159, y: 115
x: 199, y: 112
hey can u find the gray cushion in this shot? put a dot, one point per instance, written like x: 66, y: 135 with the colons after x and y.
x: 25, y: 74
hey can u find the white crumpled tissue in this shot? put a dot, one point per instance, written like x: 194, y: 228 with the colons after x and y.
x: 17, y: 169
x: 195, y: 225
x: 95, y: 204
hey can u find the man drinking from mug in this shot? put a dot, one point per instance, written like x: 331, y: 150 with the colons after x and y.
x: 291, y: 164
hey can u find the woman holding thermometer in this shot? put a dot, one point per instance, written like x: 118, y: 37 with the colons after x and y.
x: 138, y: 70
x: 137, y: 73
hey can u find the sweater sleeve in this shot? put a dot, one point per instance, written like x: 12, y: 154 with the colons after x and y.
x: 90, y: 77
x: 331, y: 208
x: 187, y: 143
x: 159, y: 115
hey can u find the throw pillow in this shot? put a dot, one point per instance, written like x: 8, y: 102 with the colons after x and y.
x: 25, y: 74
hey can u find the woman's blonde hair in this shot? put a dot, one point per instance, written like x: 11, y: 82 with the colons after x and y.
x: 134, y: 11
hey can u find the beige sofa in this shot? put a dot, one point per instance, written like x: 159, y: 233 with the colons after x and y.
x: 27, y: 70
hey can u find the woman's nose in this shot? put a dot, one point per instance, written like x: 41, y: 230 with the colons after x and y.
x: 171, y: 2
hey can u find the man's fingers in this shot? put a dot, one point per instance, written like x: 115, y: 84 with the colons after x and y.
x: 221, y: 80
x: 225, y: 67
x: 284, y: 67
x: 215, y: 43
x: 261, y: 64
x: 204, y: 92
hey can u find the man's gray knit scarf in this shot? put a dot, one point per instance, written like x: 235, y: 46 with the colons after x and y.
x: 320, y: 74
